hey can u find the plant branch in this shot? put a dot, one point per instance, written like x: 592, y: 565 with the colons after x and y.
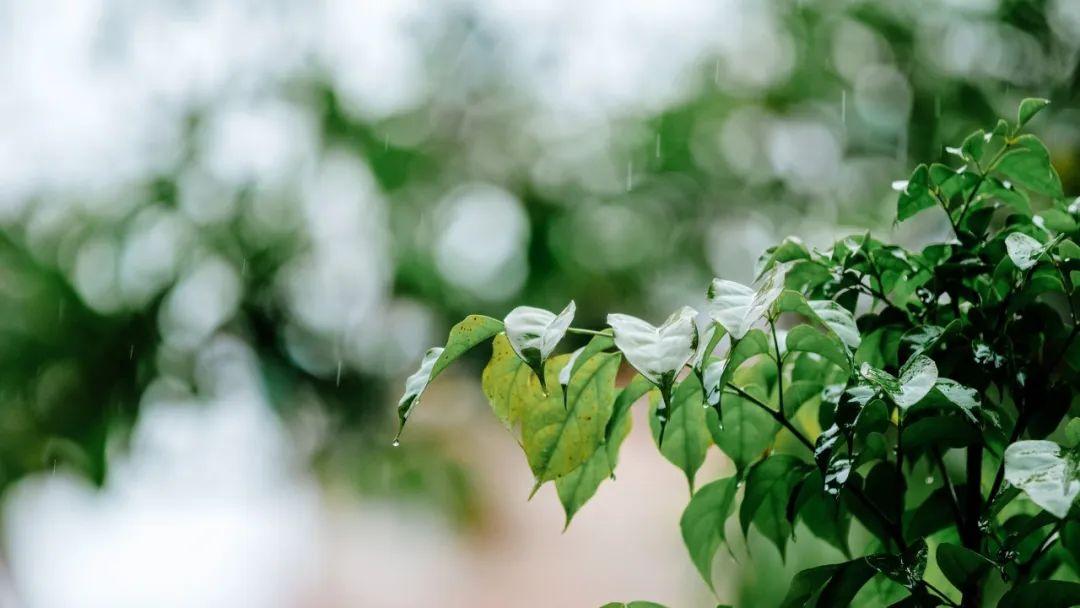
x: 954, y: 502
x: 892, y: 528
x: 779, y: 369
x: 588, y: 332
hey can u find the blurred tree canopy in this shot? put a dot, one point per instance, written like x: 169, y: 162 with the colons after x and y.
x: 343, y: 183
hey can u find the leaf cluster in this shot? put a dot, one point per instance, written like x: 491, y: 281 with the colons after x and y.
x: 841, y: 380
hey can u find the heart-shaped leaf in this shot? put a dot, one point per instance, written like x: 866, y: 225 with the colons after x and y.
x: 737, y: 307
x: 534, y: 333
x: 917, y: 377
x: 657, y: 353
x: 1023, y: 250
x: 1048, y: 474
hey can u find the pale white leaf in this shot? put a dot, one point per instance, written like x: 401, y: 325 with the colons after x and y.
x: 838, y: 319
x: 737, y: 307
x: 1023, y: 250
x: 534, y: 332
x: 657, y: 353
x: 564, y: 373
x: 1045, y: 472
x: 916, y: 379
x: 416, y: 383
x: 966, y: 398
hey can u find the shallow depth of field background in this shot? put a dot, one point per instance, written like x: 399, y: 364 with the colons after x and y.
x: 228, y: 231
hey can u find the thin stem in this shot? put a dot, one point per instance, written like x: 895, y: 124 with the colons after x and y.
x: 893, y: 529
x: 954, y: 502
x: 1026, y: 567
x: 589, y: 332
x: 945, y: 208
x: 779, y: 369
x: 982, y: 178
x: 940, y: 594
x: 999, y: 477
x: 970, y: 532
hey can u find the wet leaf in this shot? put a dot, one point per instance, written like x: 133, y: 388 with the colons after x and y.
x: 415, y: 385
x: 557, y: 438
x: 534, y: 333
x: 472, y: 330
x: 1023, y: 250
x: 657, y: 353
x: 737, y: 307
x: 1048, y: 474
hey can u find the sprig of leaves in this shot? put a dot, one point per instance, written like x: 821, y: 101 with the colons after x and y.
x: 963, y: 359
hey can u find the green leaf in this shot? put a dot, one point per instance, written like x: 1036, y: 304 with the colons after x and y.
x: 578, y: 486
x: 686, y: 437
x: 914, y: 194
x: 972, y: 148
x: 504, y: 377
x: 580, y: 356
x: 1072, y: 433
x: 1028, y: 109
x: 414, y: 388
x: 754, y: 343
x: 534, y: 333
x: 907, y: 568
x: 1028, y: 166
x: 472, y: 330
x: 1023, y: 250
x: 747, y: 431
x: 803, y: 338
x: 557, y: 438
x: 1045, y: 472
x: 834, y: 317
x: 702, y: 523
x: 940, y: 431
x: 963, y: 567
x: 634, y: 604
x: 768, y: 489
x: 828, y: 586
x: 799, y: 393
x: 823, y: 515
x: 1044, y: 594
x: 807, y: 583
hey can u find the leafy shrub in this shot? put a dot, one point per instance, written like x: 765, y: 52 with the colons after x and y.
x: 912, y: 392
